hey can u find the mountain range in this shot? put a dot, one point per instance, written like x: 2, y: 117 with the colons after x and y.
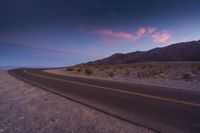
x: 185, y: 51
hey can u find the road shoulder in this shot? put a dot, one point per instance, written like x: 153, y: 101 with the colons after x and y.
x: 25, y: 108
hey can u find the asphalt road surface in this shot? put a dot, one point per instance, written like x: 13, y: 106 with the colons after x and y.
x: 160, y: 109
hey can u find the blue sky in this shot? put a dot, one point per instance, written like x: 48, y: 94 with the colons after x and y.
x: 62, y: 33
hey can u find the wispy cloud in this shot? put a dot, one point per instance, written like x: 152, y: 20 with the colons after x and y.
x: 50, y: 49
x: 160, y: 37
x: 110, y: 33
x: 121, y: 35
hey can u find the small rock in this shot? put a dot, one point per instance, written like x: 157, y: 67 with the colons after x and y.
x: 21, y: 118
x: 1, y: 130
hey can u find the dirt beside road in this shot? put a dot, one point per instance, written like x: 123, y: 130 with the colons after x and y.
x: 174, y: 75
x: 24, y: 108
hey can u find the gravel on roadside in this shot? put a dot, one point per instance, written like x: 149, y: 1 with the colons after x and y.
x: 28, y: 109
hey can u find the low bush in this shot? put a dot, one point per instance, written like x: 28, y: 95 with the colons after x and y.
x: 88, y: 71
x: 126, y: 73
x: 79, y: 70
x: 176, y: 67
x: 166, y: 67
x: 141, y: 74
x: 150, y: 66
x: 121, y: 67
x: 198, y: 67
x: 70, y: 69
x: 186, y: 76
x: 101, y: 69
x: 107, y: 67
x: 110, y: 73
x: 143, y: 67
x: 195, y: 69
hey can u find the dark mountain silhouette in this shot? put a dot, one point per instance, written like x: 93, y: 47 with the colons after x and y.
x: 186, y: 51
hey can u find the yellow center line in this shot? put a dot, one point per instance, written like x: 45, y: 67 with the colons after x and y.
x: 121, y: 91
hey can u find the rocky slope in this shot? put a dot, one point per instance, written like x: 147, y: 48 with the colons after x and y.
x: 186, y: 51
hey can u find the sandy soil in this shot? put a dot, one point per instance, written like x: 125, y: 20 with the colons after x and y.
x: 175, y: 75
x: 28, y: 109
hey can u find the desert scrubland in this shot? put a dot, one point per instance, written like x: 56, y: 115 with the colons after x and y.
x: 181, y: 75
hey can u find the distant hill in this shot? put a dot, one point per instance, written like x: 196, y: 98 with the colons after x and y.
x: 7, y: 67
x: 186, y: 51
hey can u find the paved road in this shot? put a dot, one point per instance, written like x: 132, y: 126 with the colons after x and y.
x: 156, y: 108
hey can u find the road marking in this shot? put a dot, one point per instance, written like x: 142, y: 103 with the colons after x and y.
x: 117, y: 90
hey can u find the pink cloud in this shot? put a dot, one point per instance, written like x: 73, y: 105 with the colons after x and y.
x: 160, y: 37
x: 141, y: 31
x: 110, y: 33
x: 123, y: 35
x: 157, y: 36
x: 151, y: 30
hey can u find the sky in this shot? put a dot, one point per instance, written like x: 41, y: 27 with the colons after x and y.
x: 68, y: 32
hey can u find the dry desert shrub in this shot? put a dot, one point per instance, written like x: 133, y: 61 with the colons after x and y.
x: 134, y: 66
x: 110, y: 73
x: 186, y: 76
x: 195, y: 69
x: 107, y: 67
x: 96, y: 67
x: 121, y: 67
x: 192, y: 66
x: 176, y: 67
x: 114, y: 70
x: 154, y: 73
x: 141, y: 74
x: 143, y: 67
x: 150, y: 66
x: 198, y: 67
x: 150, y: 73
x: 166, y: 67
x: 101, y: 69
x: 79, y: 70
x: 127, y: 73
x: 70, y: 69
x: 88, y: 71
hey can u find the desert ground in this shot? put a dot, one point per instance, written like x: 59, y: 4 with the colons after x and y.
x: 177, y: 75
x: 25, y: 108
x: 28, y: 109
